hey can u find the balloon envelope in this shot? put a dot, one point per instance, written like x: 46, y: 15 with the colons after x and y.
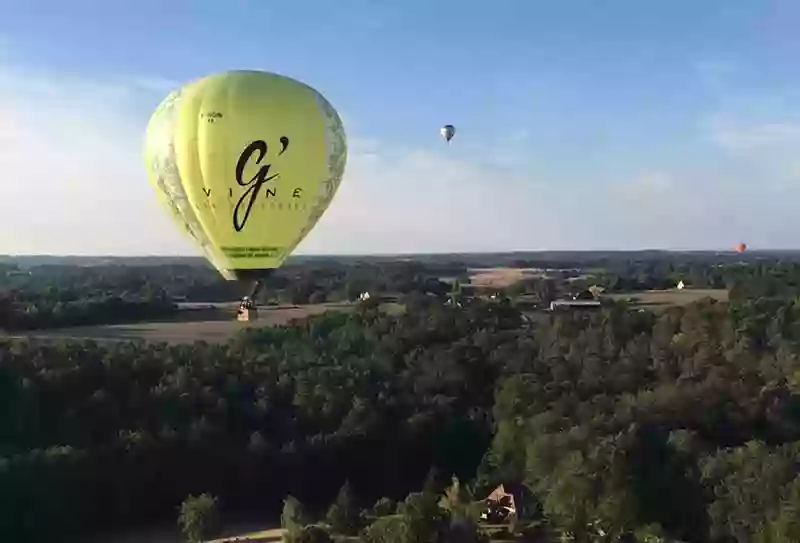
x: 447, y: 132
x: 246, y: 163
x: 741, y: 247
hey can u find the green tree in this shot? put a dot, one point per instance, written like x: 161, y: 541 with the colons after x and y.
x: 465, y: 530
x: 425, y: 521
x: 313, y: 533
x: 199, y: 517
x: 383, y: 507
x: 545, y: 290
x: 343, y: 515
x: 293, y: 517
x: 392, y: 529
x: 785, y: 525
x: 458, y: 499
x: 317, y: 297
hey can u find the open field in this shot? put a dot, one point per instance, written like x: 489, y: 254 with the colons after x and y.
x: 502, y: 277
x: 261, y: 536
x: 661, y: 299
x: 581, y: 277
x: 219, y: 330
x: 237, y: 532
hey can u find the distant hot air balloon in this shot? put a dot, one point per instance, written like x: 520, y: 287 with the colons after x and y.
x: 448, y: 131
x: 246, y: 162
x: 740, y: 247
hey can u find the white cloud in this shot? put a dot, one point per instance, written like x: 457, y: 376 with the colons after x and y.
x: 72, y: 181
x: 767, y: 145
x: 410, y: 200
x: 755, y: 130
x: 645, y: 186
x: 72, y: 178
x: 702, y: 209
x: 756, y: 137
x: 160, y: 85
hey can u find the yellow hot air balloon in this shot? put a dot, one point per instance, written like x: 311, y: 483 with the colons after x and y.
x: 246, y: 162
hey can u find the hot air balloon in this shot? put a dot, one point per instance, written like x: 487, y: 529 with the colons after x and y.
x: 448, y: 131
x: 245, y: 162
x: 740, y: 247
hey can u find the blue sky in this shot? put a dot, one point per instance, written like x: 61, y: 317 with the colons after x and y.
x: 581, y: 124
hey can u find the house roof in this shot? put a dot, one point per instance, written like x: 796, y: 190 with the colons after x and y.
x: 591, y: 303
x: 517, y: 491
x: 503, y: 497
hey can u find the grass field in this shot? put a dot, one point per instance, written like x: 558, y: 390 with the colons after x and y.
x: 218, y: 330
x: 237, y: 532
x: 661, y: 299
x: 502, y: 277
x: 242, y: 533
x: 261, y: 536
x: 505, y: 277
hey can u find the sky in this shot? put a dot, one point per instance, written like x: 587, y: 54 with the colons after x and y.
x: 581, y: 124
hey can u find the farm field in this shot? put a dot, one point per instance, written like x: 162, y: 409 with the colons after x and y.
x: 219, y: 330
x: 235, y: 533
x: 260, y: 536
x: 661, y: 299
x: 502, y: 277
x: 218, y: 324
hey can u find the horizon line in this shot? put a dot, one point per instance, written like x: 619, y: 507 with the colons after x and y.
x: 409, y: 254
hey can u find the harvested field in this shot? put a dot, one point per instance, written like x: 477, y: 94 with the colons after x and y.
x: 660, y: 299
x: 237, y: 532
x: 219, y: 330
x: 502, y: 277
x: 261, y: 536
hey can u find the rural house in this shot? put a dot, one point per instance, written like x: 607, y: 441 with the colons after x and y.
x: 507, y: 501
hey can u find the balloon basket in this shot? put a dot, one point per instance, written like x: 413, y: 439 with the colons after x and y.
x: 247, y: 311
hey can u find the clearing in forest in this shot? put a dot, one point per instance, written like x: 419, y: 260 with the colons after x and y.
x: 237, y: 532
x: 262, y: 536
x: 661, y: 299
x: 219, y: 330
x: 502, y: 277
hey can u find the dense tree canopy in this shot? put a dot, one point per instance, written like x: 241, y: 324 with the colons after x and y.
x: 684, y: 423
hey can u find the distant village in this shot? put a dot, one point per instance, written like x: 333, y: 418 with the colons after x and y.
x: 588, y: 298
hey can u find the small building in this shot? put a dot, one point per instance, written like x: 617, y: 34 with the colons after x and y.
x: 574, y: 304
x: 584, y: 295
x: 508, y: 501
x: 500, y: 506
x: 596, y: 291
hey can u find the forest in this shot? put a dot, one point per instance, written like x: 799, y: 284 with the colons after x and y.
x: 46, y: 292
x: 681, y: 425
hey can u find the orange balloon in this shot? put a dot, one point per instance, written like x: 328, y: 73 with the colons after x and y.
x: 741, y: 247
